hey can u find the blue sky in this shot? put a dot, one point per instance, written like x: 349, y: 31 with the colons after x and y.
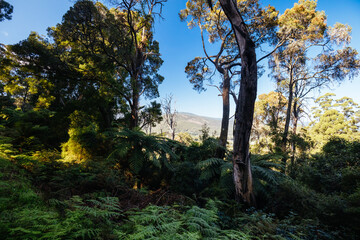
x: 178, y: 45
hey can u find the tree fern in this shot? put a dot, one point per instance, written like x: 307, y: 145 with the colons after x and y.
x: 140, y: 149
x: 265, y: 171
x: 210, y: 168
x: 226, y: 182
x: 266, y: 174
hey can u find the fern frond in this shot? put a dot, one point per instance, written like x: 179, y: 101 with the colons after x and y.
x: 266, y: 174
x: 140, y: 149
x: 209, y: 163
x: 236, y: 235
x: 210, y: 168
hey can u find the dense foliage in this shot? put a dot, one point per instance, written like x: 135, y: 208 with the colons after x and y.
x: 75, y: 163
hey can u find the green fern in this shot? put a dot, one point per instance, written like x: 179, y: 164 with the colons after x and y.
x: 155, y: 222
x: 203, y: 221
x: 210, y: 168
x: 237, y: 235
x: 226, y: 182
x: 140, y: 149
x: 267, y: 175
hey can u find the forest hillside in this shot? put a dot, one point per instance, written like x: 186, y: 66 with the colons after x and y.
x: 192, y: 124
x: 87, y: 150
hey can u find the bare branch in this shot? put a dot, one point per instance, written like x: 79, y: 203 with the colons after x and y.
x: 203, y: 44
x: 234, y: 96
x: 218, y: 88
x: 267, y: 55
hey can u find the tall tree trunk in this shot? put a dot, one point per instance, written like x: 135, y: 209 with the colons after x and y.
x: 295, y: 121
x: 284, y: 140
x: 134, y: 121
x: 225, y: 117
x: 136, y: 87
x: 245, y: 104
x: 106, y: 116
x: 173, y: 134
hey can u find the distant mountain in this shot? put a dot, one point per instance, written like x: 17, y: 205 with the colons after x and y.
x: 192, y: 124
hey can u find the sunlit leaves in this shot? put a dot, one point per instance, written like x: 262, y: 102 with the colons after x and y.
x: 314, y: 55
x: 335, y: 118
x: 269, y: 116
x: 340, y: 33
x: 25, y: 72
x: 303, y: 21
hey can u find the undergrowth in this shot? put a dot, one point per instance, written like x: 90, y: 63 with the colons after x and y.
x: 42, y: 197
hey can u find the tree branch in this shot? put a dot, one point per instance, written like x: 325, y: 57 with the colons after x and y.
x: 267, y: 55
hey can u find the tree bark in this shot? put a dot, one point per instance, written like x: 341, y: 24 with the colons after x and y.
x: 134, y: 120
x: 245, y: 104
x: 173, y: 134
x: 295, y: 121
x: 106, y: 117
x: 169, y: 115
x: 284, y: 140
x: 138, y: 64
x: 225, y: 117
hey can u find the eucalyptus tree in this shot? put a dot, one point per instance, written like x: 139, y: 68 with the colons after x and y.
x: 334, y: 118
x: 269, y: 116
x: 314, y: 55
x: 118, y: 44
x: 226, y: 60
x: 245, y: 102
x: 145, y: 61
